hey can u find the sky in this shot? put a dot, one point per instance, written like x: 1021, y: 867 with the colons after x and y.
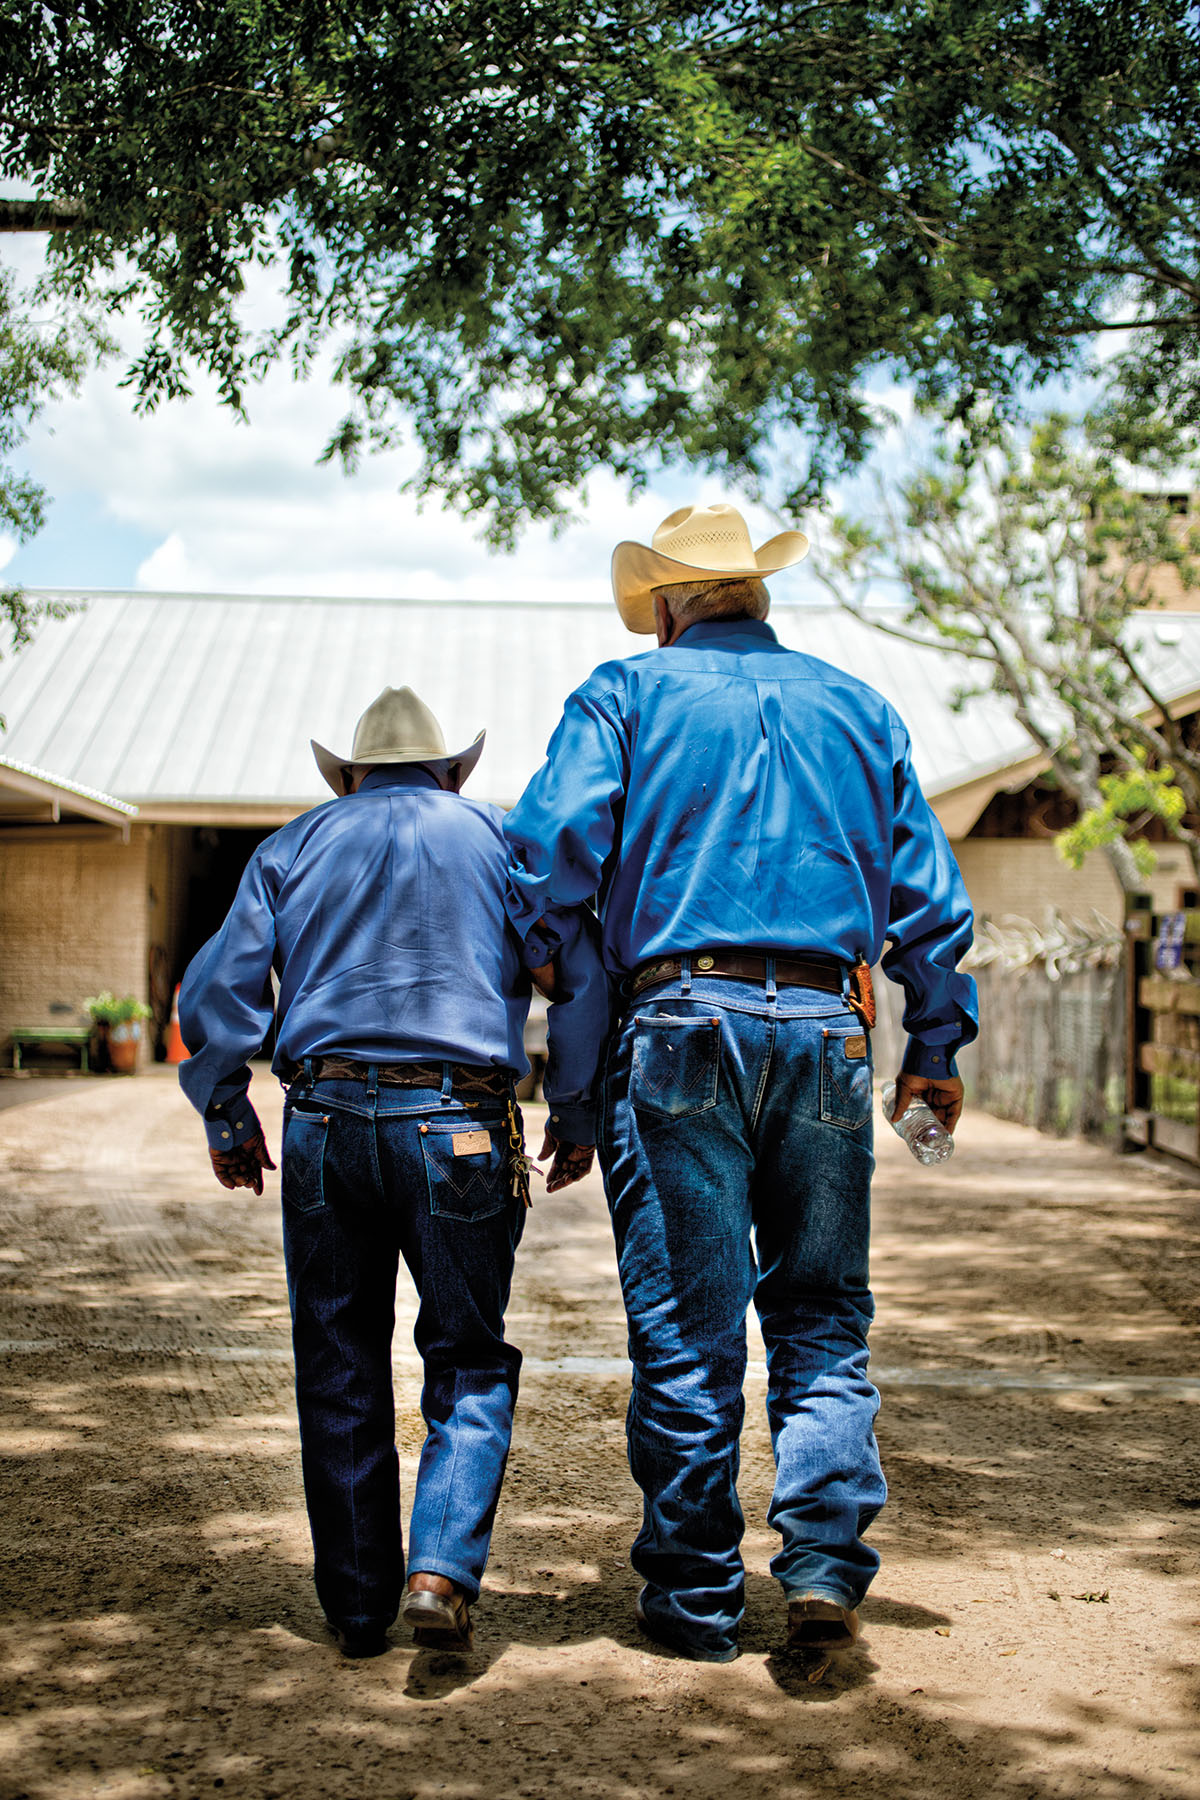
x: 192, y: 500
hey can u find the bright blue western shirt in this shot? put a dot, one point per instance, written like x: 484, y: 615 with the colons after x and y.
x: 727, y: 791
x: 382, y: 918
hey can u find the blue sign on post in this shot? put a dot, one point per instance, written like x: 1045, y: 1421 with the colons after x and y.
x: 1168, y: 946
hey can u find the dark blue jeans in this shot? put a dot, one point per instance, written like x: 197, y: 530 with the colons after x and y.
x: 737, y: 1154
x: 370, y: 1176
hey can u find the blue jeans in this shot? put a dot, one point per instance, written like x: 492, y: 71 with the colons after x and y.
x: 370, y: 1175
x: 736, y: 1121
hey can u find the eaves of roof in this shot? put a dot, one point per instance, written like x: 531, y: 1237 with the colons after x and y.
x: 29, y: 795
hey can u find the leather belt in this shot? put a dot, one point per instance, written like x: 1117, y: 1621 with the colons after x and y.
x: 466, y: 1078
x: 740, y: 965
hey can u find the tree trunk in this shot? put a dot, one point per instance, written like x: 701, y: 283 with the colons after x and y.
x: 1193, y: 850
x: 40, y: 215
x: 1083, y: 787
x: 1124, y: 867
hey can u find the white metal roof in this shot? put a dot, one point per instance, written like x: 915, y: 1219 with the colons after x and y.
x: 209, y: 701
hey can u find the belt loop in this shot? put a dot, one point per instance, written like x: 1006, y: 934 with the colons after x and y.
x: 770, y: 978
x: 372, y: 1081
x: 685, y: 974
x: 447, y: 1083
x: 309, y: 1066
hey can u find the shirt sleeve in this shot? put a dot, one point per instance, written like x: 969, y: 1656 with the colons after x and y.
x: 560, y: 835
x: 930, y: 927
x: 577, y: 1023
x: 563, y: 828
x: 226, y: 1004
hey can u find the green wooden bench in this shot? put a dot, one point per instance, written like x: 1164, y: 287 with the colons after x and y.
x: 25, y: 1037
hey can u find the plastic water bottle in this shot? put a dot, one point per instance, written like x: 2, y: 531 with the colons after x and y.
x: 920, y: 1128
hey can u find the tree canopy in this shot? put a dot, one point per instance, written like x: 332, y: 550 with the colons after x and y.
x: 547, y: 237
x: 43, y: 351
x: 1038, y: 562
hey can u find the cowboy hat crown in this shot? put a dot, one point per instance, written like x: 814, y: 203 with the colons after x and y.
x: 396, y: 728
x: 697, y: 543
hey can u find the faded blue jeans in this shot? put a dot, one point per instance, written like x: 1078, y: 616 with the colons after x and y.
x: 737, y: 1154
x: 370, y: 1175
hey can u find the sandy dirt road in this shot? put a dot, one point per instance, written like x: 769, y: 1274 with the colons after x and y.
x: 1032, y: 1632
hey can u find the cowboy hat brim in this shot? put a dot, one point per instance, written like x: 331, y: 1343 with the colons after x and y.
x: 332, y: 767
x: 637, y: 571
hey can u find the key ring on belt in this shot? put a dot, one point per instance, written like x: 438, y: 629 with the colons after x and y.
x: 521, y: 1164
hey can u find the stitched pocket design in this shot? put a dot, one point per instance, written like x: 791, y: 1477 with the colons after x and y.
x: 303, y: 1179
x: 468, y: 1187
x: 846, y: 1078
x: 676, y: 1065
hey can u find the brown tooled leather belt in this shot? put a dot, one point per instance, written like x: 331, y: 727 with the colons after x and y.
x: 739, y: 965
x: 465, y: 1077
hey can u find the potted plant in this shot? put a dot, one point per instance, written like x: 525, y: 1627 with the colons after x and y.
x: 119, y: 1026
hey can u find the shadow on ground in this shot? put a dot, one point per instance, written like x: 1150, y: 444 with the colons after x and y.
x: 1028, y: 1638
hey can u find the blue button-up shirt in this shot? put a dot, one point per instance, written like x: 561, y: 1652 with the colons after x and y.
x: 382, y: 917
x: 725, y: 790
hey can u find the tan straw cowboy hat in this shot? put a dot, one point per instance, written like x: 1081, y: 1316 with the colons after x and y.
x: 396, y: 728
x: 697, y: 543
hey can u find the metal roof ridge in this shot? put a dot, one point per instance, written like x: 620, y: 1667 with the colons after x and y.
x: 865, y: 614
x: 811, y: 608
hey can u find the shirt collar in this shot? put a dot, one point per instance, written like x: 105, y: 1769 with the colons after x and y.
x: 398, y: 775
x: 727, y: 631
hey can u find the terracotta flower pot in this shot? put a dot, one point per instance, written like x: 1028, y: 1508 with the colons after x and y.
x: 123, y: 1041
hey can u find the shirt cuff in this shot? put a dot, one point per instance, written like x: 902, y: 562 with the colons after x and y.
x: 930, y: 1060
x: 572, y: 1124
x: 541, y: 945
x: 231, y: 1122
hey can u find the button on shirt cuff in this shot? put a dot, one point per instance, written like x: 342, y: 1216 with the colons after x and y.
x: 539, y: 947
x: 931, y: 1060
x: 229, y: 1123
x: 572, y: 1124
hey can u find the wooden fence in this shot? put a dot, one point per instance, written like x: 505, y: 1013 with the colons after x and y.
x: 1051, y: 1050
x: 1052, y: 1045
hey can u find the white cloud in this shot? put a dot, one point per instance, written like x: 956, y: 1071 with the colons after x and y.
x: 166, y: 569
x: 244, y: 508
x: 8, y: 549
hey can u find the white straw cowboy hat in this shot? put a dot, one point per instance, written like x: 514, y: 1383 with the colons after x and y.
x: 697, y: 543
x: 396, y: 728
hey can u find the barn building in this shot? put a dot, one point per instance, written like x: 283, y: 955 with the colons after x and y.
x: 153, y: 739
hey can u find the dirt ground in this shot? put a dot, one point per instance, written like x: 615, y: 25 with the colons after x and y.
x: 1031, y: 1633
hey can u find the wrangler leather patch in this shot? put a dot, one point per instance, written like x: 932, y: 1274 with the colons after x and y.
x: 471, y: 1143
x: 855, y: 1047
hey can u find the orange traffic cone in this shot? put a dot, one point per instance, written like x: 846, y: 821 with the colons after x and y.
x: 177, y: 1050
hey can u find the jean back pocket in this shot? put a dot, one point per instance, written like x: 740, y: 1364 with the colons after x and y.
x: 846, y: 1078
x: 466, y: 1166
x: 303, y: 1179
x: 676, y: 1064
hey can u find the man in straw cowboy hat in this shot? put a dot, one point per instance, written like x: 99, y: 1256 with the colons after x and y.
x: 750, y: 821
x: 402, y: 998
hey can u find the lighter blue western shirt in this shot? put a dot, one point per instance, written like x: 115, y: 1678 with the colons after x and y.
x: 725, y: 790
x: 381, y: 917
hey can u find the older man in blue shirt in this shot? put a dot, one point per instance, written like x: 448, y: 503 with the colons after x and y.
x: 749, y: 823
x: 402, y: 996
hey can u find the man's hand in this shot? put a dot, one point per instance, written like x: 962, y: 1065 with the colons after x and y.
x: 244, y: 1166
x: 943, y: 1096
x: 544, y: 979
x: 571, y: 1162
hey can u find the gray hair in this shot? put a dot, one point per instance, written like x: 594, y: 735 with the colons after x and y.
x: 743, y: 597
